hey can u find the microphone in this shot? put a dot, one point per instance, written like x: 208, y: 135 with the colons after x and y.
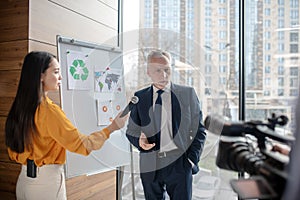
x: 134, y: 100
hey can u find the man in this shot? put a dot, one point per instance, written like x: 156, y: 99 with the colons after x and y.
x: 166, y: 127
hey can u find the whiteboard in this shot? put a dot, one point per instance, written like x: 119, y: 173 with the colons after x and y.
x: 80, y: 100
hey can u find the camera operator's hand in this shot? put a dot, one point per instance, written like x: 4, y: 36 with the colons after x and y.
x: 281, y: 149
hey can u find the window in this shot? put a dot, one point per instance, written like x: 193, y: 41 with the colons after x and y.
x: 222, y: 22
x: 148, y: 14
x: 267, y: 35
x: 280, y: 92
x: 280, y: 35
x: 281, y: 12
x: 190, y: 80
x: 267, y: 93
x: 222, y: 34
x: 294, y: 22
x: 207, y: 68
x: 222, y: 11
x: 293, y: 82
x: 207, y: 22
x: 294, y: 14
x: 294, y: 3
x: 281, y: 81
x: 268, y: 46
x: 267, y: 69
x: 280, y: 47
x: 268, y: 58
x: 207, y: 91
x: 223, y: 45
x: 222, y: 68
x: 222, y: 57
x: 267, y: 11
x: 294, y: 71
x: 268, y: 81
x: 294, y: 60
x: 222, y: 80
x: 207, y: 36
x: 280, y: 60
x: 294, y: 48
x: 280, y: 70
x: 207, y: 11
x: 294, y: 92
x: 294, y: 37
x: 280, y: 23
x: 207, y: 57
x: 267, y: 23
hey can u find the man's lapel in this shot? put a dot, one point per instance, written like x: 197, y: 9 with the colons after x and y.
x: 176, y: 108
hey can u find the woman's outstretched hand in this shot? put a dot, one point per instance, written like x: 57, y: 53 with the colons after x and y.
x: 118, y: 122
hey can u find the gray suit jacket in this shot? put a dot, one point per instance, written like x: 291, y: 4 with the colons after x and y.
x: 188, y: 131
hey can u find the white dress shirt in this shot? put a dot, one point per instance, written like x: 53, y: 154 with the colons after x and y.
x: 166, y: 134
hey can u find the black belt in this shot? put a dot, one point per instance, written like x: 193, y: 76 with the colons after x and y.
x: 165, y: 154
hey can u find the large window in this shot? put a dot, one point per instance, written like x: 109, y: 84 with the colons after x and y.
x: 206, y: 37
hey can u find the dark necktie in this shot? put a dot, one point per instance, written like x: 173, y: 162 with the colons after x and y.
x: 157, y: 110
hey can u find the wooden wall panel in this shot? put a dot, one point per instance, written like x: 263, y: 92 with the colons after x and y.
x: 9, y: 81
x: 9, y: 173
x: 13, y: 20
x: 5, y: 104
x: 12, y: 54
x: 14, y: 46
x: 3, y: 150
x: 99, y: 186
x: 28, y: 25
x: 48, y: 19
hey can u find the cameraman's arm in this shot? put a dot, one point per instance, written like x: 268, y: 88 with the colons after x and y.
x: 281, y: 149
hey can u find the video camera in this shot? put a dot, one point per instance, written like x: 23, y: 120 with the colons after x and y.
x: 247, y: 147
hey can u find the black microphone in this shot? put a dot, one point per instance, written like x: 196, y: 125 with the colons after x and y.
x: 134, y: 100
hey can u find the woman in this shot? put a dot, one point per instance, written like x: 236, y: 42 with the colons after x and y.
x: 38, y: 131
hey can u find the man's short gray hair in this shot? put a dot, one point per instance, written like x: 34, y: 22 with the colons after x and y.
x: 159, y: 54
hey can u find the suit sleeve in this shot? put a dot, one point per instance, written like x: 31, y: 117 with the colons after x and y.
x: 197, y: 131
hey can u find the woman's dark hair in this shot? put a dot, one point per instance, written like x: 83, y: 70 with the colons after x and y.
x: 20, y: 124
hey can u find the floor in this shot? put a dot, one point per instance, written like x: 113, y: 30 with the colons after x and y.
x: 205, y: 187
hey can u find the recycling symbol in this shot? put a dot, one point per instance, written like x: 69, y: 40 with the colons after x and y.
x: 78, y: 70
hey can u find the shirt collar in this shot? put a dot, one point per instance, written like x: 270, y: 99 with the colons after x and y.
x: 166, y: 89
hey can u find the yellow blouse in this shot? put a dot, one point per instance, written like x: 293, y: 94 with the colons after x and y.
x: 55, y: 134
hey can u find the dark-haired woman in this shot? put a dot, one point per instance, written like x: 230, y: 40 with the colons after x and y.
x: 38, y: 131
